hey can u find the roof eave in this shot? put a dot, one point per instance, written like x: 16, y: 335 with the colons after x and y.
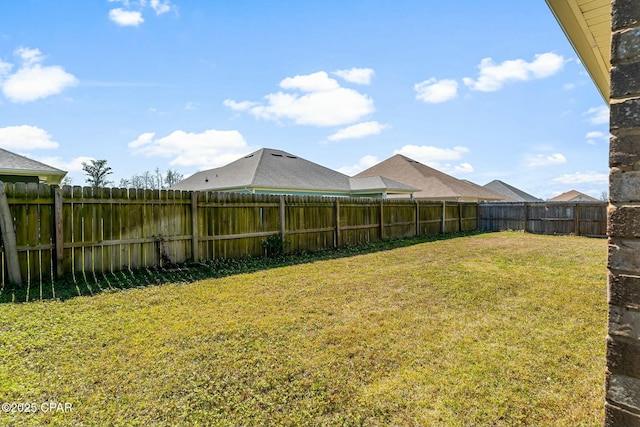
x: 575, y: 27
x: 50, y: 177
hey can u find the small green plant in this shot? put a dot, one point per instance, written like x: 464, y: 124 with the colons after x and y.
x: 273, y: 245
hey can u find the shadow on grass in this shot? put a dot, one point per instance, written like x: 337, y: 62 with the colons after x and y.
x: 72, y: 286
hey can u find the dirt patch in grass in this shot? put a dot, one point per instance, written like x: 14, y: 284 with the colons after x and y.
x: 502, y: 329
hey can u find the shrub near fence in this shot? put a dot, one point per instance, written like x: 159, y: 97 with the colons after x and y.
x: 580, y: 219
x: 87, y: 231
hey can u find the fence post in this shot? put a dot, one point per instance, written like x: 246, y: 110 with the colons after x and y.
x: 381, y: 219
x: 195, y: 247
x: 9, y: 238
x: 338, y: 243
x: 444, y: 216
x: 526, y: 216
x: 417, y: 203
x: 460, y: 216
x: 58, y: 230
x: 282, y: 212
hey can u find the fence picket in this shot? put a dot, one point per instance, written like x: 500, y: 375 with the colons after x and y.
x: 88, y: 231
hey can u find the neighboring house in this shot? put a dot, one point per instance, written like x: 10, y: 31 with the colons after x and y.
x: 573, y: 196
x: 17, y: 168
x: 269, y: 171
x: 510, y: 193
x: 432, y: 184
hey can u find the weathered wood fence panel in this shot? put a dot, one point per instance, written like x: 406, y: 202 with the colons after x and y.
x: 87, y: 231
x: 582, y: 218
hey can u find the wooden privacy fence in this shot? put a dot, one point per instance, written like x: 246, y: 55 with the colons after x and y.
x: 84, y: 231
x: 580, y: 219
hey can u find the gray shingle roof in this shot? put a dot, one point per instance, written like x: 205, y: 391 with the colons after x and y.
x: 432, y: 183
x: 268, y: 168
x: 271, y: 169
x: 379, y: 183
x: 512, y: 194
x: 13, y: 161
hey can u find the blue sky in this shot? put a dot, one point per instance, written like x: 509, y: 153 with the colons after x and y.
x: 480, y: 90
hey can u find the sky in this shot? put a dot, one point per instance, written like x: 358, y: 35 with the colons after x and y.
x: 479, y: 90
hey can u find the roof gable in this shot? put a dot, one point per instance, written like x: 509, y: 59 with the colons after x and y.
x: 431, y: 182
x: 572, y: 195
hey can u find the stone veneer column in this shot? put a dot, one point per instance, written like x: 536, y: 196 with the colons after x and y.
x: 622, y: 407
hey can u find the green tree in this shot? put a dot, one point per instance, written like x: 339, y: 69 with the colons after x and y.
x: 172, y: 178
x: 97, y: 173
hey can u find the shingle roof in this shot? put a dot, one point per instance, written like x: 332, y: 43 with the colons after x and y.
x: 571, y: 195
x: 432, y: 183
x: 379, y: 183
x: 13, y: 161
x: 268, y: 168
x: 511, y: 193
x: 276, y: 169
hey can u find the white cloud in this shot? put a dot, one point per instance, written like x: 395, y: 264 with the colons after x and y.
x: 191, y: 105
x: 598, y: 115
x: 5, y: 68
x: 463, y: 168
x: 208, y: 149
x: 540, y: 160
x: 595, y: 136
x: 33, y: 81
x: 126, y: 18
x: 29, y: 56
x: 26, y: 137
x: 428, y: 154
x: 493, y: 76
x: 316, y: 82
x: 361, y: 76
x: 131, y: 15
x: 325, y: 102
x: 364, y: 163
x: 582, y: 178
x: 434, y: 91
x: 239, y: 106
x: 359, y: 130
x: 73, y: 165
x: 160, y: 7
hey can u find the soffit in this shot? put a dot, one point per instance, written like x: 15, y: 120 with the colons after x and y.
x: 587, y: 24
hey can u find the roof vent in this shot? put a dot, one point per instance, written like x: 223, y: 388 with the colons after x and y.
x: 291, y: 157
x: 277, y: 155
x: 250, y: 155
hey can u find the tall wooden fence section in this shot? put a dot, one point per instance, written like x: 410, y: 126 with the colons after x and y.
x: 580, y: 219
x: 86, y: 231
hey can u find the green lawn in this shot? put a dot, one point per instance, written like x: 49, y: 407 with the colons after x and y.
x: 502, y: 329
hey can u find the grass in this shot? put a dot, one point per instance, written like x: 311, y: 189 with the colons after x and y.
x: 502, y: 329
x: 90, y: 284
